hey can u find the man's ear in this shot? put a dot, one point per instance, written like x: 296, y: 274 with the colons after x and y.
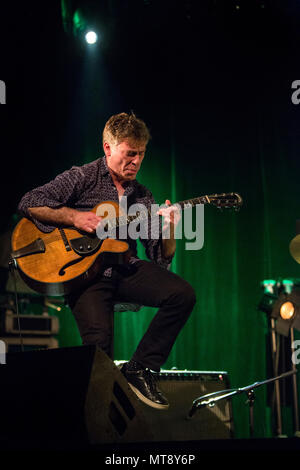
x: 107, y: 149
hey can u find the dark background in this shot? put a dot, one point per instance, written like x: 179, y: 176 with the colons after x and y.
x: 212, y: 75
x: 212, y: 79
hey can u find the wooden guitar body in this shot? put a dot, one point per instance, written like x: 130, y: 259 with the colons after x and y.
x: 56, y: 268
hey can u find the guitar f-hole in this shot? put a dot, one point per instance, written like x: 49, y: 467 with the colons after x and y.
x: 62, y: 270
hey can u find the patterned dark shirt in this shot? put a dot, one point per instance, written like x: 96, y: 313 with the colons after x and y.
x: 82, y: 188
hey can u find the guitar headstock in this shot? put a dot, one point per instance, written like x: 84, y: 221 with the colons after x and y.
x: 225, y: 201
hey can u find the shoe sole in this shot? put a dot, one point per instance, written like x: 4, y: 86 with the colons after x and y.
x: 146, y: 400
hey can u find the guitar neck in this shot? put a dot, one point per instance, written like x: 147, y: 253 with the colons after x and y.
x: 221, y: 201
x: 193, y: 202
x: 188, y: 203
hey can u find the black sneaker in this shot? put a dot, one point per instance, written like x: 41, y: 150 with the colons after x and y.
x: 143, y: 383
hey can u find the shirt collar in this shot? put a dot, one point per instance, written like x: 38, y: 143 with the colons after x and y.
x: 103, y: 166
x: 105, y: 171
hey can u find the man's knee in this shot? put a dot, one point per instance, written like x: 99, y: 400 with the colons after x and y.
x: 184, y: 294
x: 189, y: 295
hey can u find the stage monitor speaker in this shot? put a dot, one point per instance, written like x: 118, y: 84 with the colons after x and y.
x: 78, y: 396
x: 67, y: 397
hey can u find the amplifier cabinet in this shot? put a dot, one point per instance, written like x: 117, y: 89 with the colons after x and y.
x: 13, y: 343
x: 29, y: 324
x: 181, y: 388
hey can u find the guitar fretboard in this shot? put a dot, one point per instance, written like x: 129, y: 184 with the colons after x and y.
x: 144, y: 215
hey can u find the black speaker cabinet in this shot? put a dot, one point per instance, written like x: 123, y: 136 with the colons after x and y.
x: 78, y: 396
x: 182, y: 388
x: 67, y: 396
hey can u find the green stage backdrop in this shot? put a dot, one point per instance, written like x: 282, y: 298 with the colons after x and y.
x: 241, y: 138
x: 226, y: 331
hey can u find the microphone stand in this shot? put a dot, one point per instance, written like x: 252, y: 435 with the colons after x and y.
x: 212, y: 398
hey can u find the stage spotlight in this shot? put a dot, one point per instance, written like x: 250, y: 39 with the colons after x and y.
x: 270, y: 296
x: 91, y: 37
x: 269, y: 286
x: 287, y: 285
x: 286, y: 312
x: 281, y: 302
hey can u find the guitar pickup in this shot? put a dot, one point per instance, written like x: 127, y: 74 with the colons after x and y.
x: 85, y: 246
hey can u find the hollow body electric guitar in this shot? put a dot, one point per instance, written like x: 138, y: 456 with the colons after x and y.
x: 58, y: 262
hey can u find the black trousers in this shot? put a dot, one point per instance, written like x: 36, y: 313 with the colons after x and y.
x: 143, y: 283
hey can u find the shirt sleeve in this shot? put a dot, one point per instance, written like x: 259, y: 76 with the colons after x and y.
x: 153, y: 241
x: 57, y: 193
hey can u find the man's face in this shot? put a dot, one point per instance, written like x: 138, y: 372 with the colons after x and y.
x: 125, y: 159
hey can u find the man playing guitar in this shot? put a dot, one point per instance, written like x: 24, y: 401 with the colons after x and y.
x: 68, y: 200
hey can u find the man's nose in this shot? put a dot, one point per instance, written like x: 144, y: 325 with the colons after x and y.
x: 136, y: 159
